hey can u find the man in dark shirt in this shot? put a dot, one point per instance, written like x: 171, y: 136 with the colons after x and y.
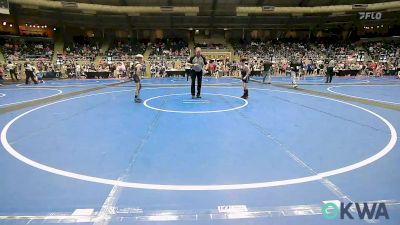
x: 228, y: 66
x: 267, y: 66
x: 295, y: 71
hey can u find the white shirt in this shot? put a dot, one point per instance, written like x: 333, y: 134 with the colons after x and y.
x: 10, y: 66
x: 199, y: 63
x: 29, y: 67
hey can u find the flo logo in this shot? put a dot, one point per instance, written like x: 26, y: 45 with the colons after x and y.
x: 362, y: 210
x: 370, y: 15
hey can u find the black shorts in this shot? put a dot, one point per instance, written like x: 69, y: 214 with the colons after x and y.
x: 245, y: 80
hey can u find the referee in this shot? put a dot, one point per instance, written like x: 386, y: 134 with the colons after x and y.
x: 29, y: 72
x: 329, y: 71
x: 197, y: 62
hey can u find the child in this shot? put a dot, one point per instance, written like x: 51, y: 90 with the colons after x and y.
x: 138, y: 72
x: 39, y: 76
x: 245, y: 74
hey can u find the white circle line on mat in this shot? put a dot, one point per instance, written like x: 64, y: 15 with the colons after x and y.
x: 14, y: 103
x: 385, y: 150
x: 308, y: 82
x: 354, y: 96
x: 146, y: 103
x: 51, y: 85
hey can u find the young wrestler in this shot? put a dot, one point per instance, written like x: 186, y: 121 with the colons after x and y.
x: 245, y: 73
x: 138, y: 72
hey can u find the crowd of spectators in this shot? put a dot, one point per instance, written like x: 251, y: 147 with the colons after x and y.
x: 314, y: 59
x: 168, y: 54
x: 169, y: 49
x: 382, y: 51
x: 211, y: 45
x: 281, y: 54
x: 19, y: 49
x: 82, y: 48
x: 125, y: 50
x: 73, y: 69
x: 379, y: 58
x: 383, y: 57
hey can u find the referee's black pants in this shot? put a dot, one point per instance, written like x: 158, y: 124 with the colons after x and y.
x: 29, y: 74
x: 199, y: 76
x: 329, y: 74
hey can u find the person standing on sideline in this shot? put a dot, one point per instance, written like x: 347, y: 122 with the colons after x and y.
x: 267, y: 69
x: 137, y: 75
x: 198, y: 63
x: 78, y: 71
x: 295, y: 70
x: 228, y: 66
x: 329, y: 71
x: 11, y: 68
x: 188, y: 71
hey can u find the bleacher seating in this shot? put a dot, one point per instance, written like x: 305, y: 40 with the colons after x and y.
x: 20, y: 49
x: 125, y: 50
x: 81, y: 48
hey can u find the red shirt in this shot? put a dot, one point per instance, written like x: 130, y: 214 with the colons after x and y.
x: 212, y: 66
